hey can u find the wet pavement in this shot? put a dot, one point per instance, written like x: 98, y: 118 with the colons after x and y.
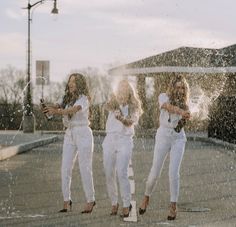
x: 31, y: 191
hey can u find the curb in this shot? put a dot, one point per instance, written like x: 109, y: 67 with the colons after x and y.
x: 14, y: 150
x: 218, y: 142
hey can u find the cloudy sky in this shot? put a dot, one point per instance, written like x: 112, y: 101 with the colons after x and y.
x: 98, y: 33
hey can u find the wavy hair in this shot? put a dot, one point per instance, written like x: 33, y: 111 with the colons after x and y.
x: 172, y: 92
x: 133, y: 98
x: 82, y: 89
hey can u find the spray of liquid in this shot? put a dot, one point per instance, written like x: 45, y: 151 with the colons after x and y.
x: 200, y: 101
x: 7, y: 205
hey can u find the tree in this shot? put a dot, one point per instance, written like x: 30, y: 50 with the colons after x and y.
x: 12, y: 85
x: 99, y: 84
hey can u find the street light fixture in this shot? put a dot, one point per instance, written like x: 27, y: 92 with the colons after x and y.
x: 28, y: 119
x: 54, y: 10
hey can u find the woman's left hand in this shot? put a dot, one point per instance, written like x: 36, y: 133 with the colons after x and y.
x: 51, y: 110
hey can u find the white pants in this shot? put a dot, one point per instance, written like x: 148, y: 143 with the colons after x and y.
x: 78, y: 144
x: 167, y: 140
x: 117, y: 151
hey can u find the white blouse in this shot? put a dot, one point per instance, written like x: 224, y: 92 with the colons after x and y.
x: 80, y: 118
x: 168, y: 120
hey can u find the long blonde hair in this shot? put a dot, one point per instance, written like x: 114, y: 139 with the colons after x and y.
x: 176, y: 100
x: 133, y: 98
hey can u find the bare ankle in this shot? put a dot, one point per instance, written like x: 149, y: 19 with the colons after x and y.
x: 173, y: 205
x: 66, y: 204
x: 146, y: 199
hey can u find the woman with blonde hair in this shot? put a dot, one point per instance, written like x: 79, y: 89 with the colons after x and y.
x: 78, y: 139
x: 170, y: 138
x: 124, y: 111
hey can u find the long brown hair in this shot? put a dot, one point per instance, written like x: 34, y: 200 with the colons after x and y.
x: 176, y: 100
x: 82, y: 89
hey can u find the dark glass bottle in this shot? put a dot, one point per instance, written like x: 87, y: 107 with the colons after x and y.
x: 47, y: 115
x: 181, y: 124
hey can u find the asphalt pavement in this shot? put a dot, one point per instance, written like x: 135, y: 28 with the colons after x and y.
x: 31, y: 185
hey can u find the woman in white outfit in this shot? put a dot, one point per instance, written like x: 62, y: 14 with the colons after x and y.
x: 170, y: 138
x: 124, y: 111
x: 78, y: 139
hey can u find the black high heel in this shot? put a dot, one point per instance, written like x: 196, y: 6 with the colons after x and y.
x: 65, y: 209
x: 90, y: 210
x: 173, y: 213
x: 143, y: 210
x: 126, y: 215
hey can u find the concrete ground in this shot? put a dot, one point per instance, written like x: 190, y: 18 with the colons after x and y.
x: 16, y: 142
x: 31, y: 188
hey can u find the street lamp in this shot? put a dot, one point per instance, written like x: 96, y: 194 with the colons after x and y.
x: 28, y: 119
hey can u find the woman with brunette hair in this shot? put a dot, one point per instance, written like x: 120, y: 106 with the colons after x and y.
x: 124, y: 112
x: 170, y: 138
x: 78, y: 139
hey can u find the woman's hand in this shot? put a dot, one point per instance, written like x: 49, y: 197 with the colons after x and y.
x: 126, y: 121
x: 186, y: 114
x: 50, y: 110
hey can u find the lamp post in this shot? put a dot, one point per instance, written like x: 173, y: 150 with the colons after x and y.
x: 28, y: 118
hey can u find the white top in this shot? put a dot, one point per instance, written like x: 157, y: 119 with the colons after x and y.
x: 115, y: 126
x: 80, y: 118
x: 167, y: 120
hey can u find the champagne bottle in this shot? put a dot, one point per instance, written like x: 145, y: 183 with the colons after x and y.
x: 47, y: 115
x: 182, y: 122
x: 180, y: 125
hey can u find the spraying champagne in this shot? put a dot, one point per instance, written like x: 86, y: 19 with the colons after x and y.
x: 43, y: 105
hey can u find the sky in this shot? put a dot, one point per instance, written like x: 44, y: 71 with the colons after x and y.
x: 105, y: 33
